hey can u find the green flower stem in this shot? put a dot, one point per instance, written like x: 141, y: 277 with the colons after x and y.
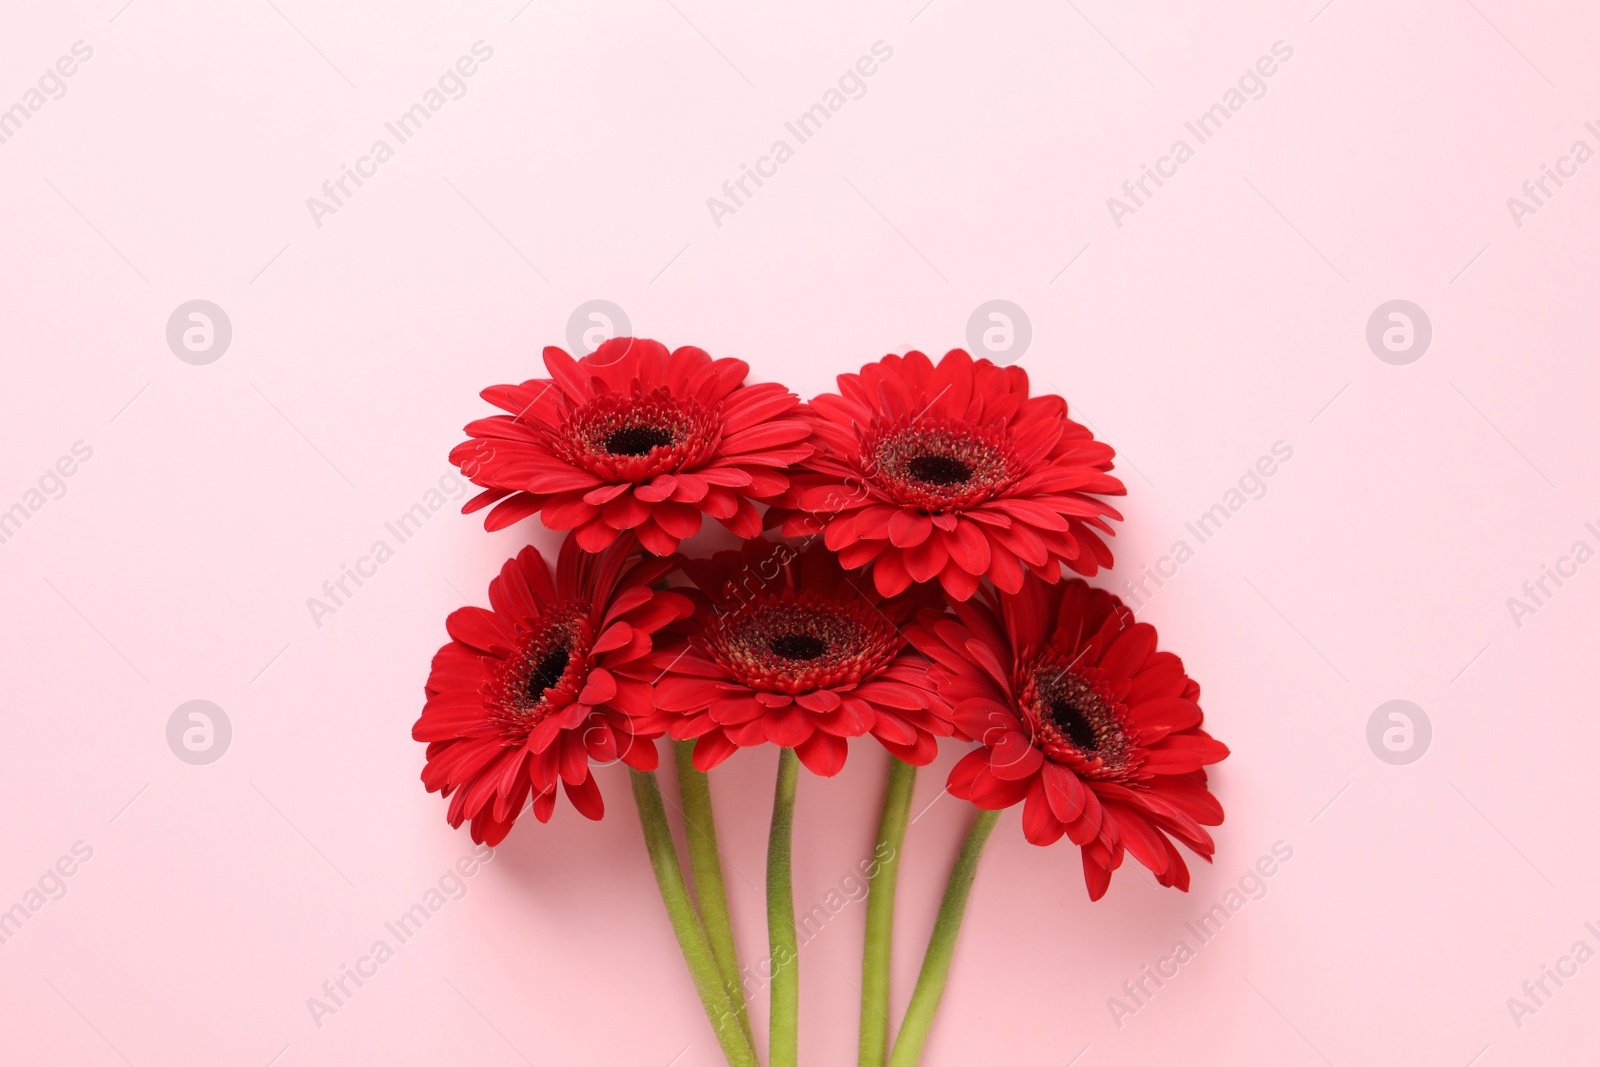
x: 880, y: 913
x: 941, y: 945
x: 686, y: 924
x: 783, y: 1045
x: 705, y: 864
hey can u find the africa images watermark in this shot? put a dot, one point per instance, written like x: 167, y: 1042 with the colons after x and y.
x: 851, y: 85
x: 1251, y: 486
x: 339, y: 591
x: 1537, y: 192
x: 50, y: 886
x: 757, y: 578
x: 1537, y: 592
x: 1152, y: 978
x: 852, y: 888
x: 52, y: 485
x: 1537, y: 992
x: 452, y: 85
x: 338, y: 991
x: 1252, y: 85
x: 51, y: 85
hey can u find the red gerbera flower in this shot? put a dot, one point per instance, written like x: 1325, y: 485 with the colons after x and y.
x: 552, y: 674
x: 952, y: 472
x: 1081, y: 720
x: 785, y: 648
x: 635, y: 438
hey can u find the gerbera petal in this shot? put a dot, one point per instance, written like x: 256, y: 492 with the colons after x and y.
x: 596, y: 536
x: 605, y: 493
x: 758, y: 438
x: 1181, y: 753
x: 560, y: 479
x: 1083, y: 719
x: 626, y: 511
x: 617, y: 635
x: 959, y: 582
x: 788, y: 726
x: 1140, y: 838
x: 564, y: 371
x: 1096, y: 875
x: 925, y: 561
x: 657, y: 490
x: 962, y: 449
x: 585, y: 796
x: 1063, y: 791
x: 600, y: 688
x: 711, y: 749
x: 1005, y: 571
x: 1039, y: 823
x: 1157, y: 718
x: 510, y: 511
x: 519, y: 700
x: 968, y: 546
x: 655, y: 539
x: 739, y: 706
x: 820, y: 700
x: 823, y: 754
x: 907, y: 528
x: 1129, y: 651
x: 889, y: 573
x: 1012, y: 757
x: 601, y: 744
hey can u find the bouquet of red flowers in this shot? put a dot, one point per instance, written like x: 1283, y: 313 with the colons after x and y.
x: 909, y: 586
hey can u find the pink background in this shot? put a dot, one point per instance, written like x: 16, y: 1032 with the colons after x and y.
x: 1227, y: 314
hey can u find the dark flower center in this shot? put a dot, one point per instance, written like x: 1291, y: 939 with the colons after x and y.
x: 798, y: 646
x: 939, y: 465
x: 547, y: 673
x: 636, y: 440
x: 634, y: 436
x: 1075, y: 712
x: 939, y: 470
x: 800, y: 642
x: 548, y: 668
x: 1069, y: 718
x: 1077, y: 721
